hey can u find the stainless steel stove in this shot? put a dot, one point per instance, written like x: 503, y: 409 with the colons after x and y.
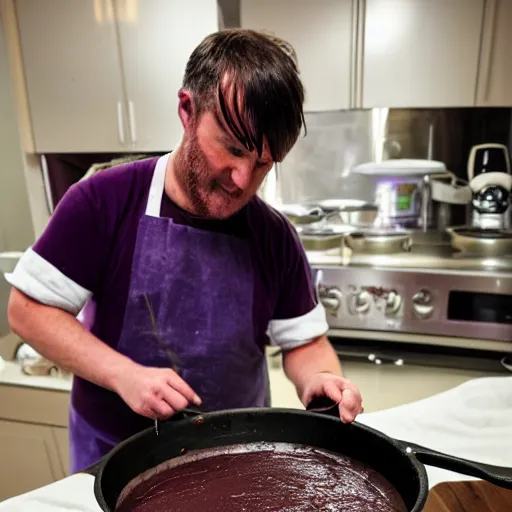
x: 431, y: 290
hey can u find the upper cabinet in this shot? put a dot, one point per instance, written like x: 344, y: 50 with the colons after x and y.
x: 103, y: 76
x: 154, y: 50
x: 322, y: 33
x: 73, y: 76
x: 495, y: 76
x: 421, y: 53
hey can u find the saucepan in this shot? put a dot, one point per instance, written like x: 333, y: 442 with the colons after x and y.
x: 379, y: 241
x: 481, y: 241
x: 399, y: 462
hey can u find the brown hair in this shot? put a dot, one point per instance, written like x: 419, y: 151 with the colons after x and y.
x: 257, y: 74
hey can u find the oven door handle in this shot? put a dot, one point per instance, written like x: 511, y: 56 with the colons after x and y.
x: 373, y: 357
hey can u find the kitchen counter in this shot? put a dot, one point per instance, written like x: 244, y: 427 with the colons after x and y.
x: 471, y: 421
x: 11, y: 374
x: 33, y: 430
x: 34, y: 411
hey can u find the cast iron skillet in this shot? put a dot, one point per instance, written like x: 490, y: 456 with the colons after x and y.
x: 401, y: 463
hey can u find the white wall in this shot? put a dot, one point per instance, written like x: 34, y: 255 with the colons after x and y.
x: 16, y: 231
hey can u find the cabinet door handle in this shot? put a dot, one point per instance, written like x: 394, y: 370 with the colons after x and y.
x: 120, y: 122
x: 354, y: 54
x: 487, y: 50
x: 360, y: 34
x: 131, y: 119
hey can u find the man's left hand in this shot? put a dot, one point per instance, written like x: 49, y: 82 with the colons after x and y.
x: 338, y: 389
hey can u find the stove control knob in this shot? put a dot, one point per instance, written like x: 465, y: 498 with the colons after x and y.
x: 393, y: 303
x: 330, y: 299
x: 361, y: 302
x: 422, y: 303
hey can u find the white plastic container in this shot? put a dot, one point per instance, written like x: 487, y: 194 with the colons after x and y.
x: 9, y: 260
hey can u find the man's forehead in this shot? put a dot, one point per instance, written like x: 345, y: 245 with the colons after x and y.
x: 241, y: 121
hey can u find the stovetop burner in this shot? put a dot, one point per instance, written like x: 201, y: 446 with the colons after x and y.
x: 430, y: 250
x: 484, y: 233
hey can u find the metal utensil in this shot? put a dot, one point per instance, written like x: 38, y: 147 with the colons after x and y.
x: 171, y: 355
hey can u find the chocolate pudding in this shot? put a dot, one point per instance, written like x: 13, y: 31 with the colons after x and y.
x: 260, y: 477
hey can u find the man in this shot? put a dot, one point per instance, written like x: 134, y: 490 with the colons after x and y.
x: 174, y: 262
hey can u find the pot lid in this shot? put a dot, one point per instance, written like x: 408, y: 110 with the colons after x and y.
x: 334, y: 205
x: 400, y: 167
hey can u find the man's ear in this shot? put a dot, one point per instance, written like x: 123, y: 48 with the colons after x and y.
x: 186, y: 108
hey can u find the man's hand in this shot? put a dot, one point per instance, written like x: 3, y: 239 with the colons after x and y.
x: 156, y: 393
x: 315, y: 370
x: 337, y: 389
x: 60, y: 337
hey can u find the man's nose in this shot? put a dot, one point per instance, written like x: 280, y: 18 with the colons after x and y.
x: 242, y: 174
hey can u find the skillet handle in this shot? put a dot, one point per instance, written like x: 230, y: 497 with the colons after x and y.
x: 192, y: 411
x: 497, y: 475
x: 185, y: 413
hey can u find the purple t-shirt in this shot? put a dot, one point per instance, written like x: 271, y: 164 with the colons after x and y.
x: 85, y: 256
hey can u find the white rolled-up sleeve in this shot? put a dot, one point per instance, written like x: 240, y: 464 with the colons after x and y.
x: 294, y: 332
x: 41, y: 281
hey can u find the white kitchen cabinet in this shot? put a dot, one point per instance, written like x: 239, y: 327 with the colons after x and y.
x: 73, y: 75
x: 33, y: 430
x: 29, y: 458
x: 322, y: 33
x: 495, y: 75
x: 61, y: 436
x: 382, y: 387
x: 154, y: 52
x: 421, y: 53
x: 103, y: 76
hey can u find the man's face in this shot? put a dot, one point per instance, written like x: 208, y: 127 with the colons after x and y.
x: 217, y: 173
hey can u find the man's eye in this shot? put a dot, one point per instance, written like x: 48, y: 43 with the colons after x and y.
x: 236, y: 152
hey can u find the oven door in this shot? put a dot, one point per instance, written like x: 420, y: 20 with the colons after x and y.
x: 391, y: 374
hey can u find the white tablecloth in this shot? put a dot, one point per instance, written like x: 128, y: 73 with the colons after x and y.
x: 473, y: 420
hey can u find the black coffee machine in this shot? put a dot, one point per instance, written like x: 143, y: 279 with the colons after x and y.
x: 490, y: 179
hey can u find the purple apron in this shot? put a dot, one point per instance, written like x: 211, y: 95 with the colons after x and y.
x: 200, y: 287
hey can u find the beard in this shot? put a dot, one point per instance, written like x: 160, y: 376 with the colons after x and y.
x: 206, y: 195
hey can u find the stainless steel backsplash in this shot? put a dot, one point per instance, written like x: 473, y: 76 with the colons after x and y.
x: 318, y: 167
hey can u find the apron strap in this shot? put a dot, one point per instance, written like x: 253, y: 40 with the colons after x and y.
x: 156, y: 190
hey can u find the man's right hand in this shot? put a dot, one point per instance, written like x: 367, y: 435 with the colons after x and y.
x: 156, y: 393
x: 60, y: 337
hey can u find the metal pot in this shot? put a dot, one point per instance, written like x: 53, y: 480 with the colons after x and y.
x: 405, y: 190
x: 481, y: 241
x: 379, y: 241
x: 398, y: 461
x: 323, y: 236
x: 350, y: 212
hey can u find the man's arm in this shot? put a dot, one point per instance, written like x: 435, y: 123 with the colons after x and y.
x: 302, y: 363
x: 315, y: 370
x: 299, y: 327
x: 61, y: 338
x: 53, y: 281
